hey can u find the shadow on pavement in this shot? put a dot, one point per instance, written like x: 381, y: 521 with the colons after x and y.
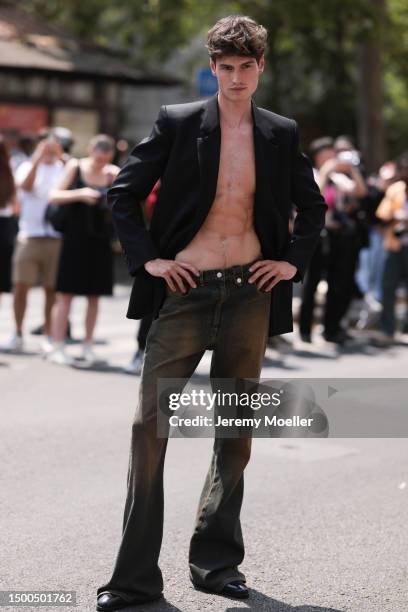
x: 96, y: 342
x: 263, y: 603
x: 313, y: 354
x: 257, y: 601
x: 101, y: 367
x: 105, y: 367
x: 267, y: 604
x: 23, y: 353
x: 278, y: 363
x: 367, y: 349
x: 156, y: 606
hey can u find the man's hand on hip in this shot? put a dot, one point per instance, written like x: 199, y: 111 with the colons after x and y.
x: 173, y: 272
x: 267, y: 273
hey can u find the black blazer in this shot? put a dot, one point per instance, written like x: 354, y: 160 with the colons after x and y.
x: 183, y: 150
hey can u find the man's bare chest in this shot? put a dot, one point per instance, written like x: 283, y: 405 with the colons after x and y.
x: 237, y: 161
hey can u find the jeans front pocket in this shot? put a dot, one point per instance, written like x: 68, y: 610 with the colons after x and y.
x: 261, y: 291
x: 177, y: 293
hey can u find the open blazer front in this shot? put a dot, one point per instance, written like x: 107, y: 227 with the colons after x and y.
x: 183, y: 150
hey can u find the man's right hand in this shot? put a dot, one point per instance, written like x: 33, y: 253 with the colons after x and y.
x: 173, y: 272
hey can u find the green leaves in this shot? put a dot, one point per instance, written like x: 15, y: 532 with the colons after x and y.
x: 313, y: 47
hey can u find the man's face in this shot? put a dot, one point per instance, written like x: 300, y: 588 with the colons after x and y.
x: 237, y: 76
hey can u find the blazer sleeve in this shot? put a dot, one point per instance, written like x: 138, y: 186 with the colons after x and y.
x: 311, y: 209
x: 133, y: 184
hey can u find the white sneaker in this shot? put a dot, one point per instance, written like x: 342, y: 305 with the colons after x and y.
x: 370, y: 313
x: 135, y: 366
x: 373, y: 304
x: 14, y: 345
x: 60, y: 357
x: 47, y: 346
x: 88, y: 356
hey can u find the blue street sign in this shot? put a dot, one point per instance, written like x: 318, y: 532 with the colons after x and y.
x: 207, y: 83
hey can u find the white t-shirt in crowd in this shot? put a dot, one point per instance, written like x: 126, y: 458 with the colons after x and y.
x: 7, y: 211
x: 34, y: 202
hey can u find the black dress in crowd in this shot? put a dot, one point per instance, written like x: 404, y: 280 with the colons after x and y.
x: 8, y: 231
x: 86, y: 261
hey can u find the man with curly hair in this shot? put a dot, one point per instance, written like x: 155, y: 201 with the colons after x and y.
x: 216, y: 269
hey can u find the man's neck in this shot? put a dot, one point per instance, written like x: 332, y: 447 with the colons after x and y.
x: 235, y: 114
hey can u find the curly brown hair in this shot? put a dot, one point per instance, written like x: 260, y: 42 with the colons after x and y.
x: 236, y: 35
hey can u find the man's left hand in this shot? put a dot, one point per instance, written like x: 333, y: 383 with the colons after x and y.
x: 267, y: 269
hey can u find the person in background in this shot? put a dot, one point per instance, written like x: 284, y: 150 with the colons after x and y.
x: 323, y: 155
x: 66, y: 140
x: 8, y: 210
x: 393, y: 212
x: 20, y: 147
x: 359, y: 210
x: 122, y: 152
x: 345, y: 148
x: 343, y: 186
x: 371, y: 258
x: 321, y: 152
x: 86, y: 263
x: 11, y: 142
x: 38, y: 244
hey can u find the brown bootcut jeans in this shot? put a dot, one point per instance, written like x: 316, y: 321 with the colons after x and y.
x: 227, y: 314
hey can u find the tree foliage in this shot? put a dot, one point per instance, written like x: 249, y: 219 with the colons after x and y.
x: 312, y: 60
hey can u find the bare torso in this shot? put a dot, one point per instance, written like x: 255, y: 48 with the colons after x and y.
x: 227, y: 236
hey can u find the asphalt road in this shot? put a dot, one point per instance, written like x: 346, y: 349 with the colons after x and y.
x: 324, y: 520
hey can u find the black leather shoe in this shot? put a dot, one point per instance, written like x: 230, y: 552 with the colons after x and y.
x: 108, y: 602
x: 236, y: 589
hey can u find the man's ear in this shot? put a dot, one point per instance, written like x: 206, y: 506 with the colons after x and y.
x: 261, y: 64
x: 212, y: 66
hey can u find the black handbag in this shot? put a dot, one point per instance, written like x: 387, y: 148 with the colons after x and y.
x: 58, y: 215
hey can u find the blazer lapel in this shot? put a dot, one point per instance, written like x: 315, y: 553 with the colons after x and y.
x: 208, y: 149
x: 266, y: 162
x: 266, y: 152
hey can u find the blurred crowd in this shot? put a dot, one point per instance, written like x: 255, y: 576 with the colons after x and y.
x: 362, y: 254
x: 56, y: 231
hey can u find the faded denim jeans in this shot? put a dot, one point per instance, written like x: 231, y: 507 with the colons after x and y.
x: 227, y: 314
